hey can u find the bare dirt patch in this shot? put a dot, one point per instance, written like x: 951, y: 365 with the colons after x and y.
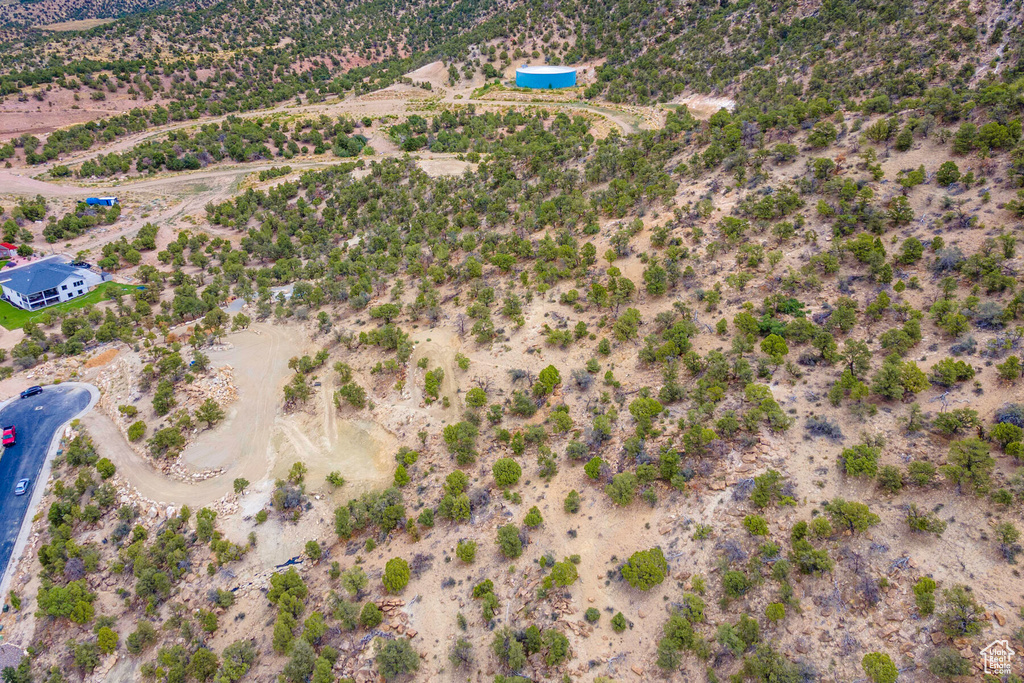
x: 102, y: 358
x: 77, y: 25
x: 359, y: 449
x: 703, y: 106
x: 434, y: 73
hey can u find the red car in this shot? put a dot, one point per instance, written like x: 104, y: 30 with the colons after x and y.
x: 9, y: 437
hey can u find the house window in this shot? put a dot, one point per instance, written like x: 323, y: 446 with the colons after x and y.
x: 63, y: 286
x: 79, y: 292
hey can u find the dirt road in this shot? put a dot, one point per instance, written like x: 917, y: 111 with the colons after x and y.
x: 241, y: 444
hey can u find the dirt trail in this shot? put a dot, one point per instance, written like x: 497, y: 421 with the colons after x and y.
x: 20, y: 183
x: 241, y: 443
x: 255, y: 441
x: 147, y: 480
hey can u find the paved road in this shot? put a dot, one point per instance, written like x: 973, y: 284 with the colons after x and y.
x: 36, y: 419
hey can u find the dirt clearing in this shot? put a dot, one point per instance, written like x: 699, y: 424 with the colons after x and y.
x: 101, y: 359
x: 359, y: 449
x: 257, y: 441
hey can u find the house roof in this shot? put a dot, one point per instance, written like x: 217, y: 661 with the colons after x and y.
x: 36, y: 277
x: 8, y: 245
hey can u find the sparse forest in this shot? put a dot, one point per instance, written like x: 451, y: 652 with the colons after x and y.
x: 667, y: 392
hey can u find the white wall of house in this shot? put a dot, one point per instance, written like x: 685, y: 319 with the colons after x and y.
x: 78, y: 284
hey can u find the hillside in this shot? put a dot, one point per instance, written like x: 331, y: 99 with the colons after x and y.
x: 708, y: 368
x: 51, y: 14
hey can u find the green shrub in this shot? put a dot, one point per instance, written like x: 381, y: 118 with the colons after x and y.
x: 950, y: 371
x: 1003, y: 434
x: 396, y: 575
x: 136, y: 431
x: 622, y: 488
x: 432, y: 384
x: 775, y: 611
x: 396, y: 658
x: 619, y: 623
x: 767, y: 489
x: 105, y: 468
x: 476, y: 397
x: 370, y: 616
x: 956, y: 421
x: 947, y: 663
x: 820, y: 527
x: 508, y: 541
x: 756, y: 525
x: 106, y: 639
x: 506, y: 472
x: 548, y: 379
x: 861, y: 460
x: 851, y: 515
x: 466, y: 551
x: 962, y: 616
x: 645, y: 569
x: 890, y: 478
x: 926, y: 522
x: 142, y: 637
x: 947, y: 174
x: 592, y: 615
x: 879, y: 667
x: 735, y: 583
x: 921, y: 472
x: 924, y: 595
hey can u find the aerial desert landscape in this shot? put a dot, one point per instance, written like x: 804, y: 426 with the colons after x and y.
x: 508, y: 341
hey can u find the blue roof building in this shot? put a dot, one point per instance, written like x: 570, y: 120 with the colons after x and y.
x: 46, y: 282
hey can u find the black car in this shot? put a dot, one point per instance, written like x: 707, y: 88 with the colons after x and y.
x: 32, y: 391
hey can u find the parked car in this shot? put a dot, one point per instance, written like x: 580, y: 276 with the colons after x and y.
x: 32, y: 391
x: 21, y: 488
x: 10, y: 438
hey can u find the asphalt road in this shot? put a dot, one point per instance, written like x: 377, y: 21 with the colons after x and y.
x: 36, y: 419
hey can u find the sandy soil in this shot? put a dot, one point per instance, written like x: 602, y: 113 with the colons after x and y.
x: 59, y: 109
x: 438, y: 346
x: 360, y: 449
x: 703, y: 106
x: 77, y: 25
x: 256, y: 441
x: 241, y: 443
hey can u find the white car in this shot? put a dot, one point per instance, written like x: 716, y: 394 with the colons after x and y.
x: 22, y: 488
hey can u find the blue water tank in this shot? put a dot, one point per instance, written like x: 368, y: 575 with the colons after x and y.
x: 545, y: 77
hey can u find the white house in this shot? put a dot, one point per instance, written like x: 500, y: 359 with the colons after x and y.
x: 46, y: 282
